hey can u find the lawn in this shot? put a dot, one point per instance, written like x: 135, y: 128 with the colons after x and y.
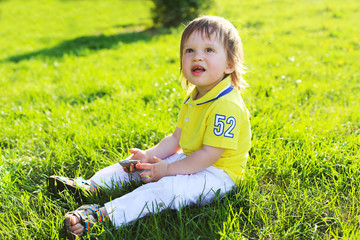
x: 83, y: 81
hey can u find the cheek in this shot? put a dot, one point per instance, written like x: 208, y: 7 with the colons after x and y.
x: 183, y: 66
x: 184, y: 63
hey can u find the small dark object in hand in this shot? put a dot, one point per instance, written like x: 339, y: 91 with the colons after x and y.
x: 126, y: 163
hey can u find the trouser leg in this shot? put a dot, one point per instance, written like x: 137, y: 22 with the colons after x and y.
x: 114, y: 175
x: 171, y: 192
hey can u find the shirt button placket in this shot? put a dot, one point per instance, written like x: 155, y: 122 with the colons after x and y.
x: 187, y: 119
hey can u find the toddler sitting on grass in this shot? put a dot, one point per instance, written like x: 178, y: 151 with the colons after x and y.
x: 208, y: 150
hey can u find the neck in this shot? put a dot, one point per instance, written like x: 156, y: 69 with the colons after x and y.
x: 199, y: 94
x: 201, y: 91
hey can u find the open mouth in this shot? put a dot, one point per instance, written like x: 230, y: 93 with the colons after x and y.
x: 198, y: 69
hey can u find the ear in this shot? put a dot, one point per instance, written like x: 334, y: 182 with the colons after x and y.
x: 229, y: 68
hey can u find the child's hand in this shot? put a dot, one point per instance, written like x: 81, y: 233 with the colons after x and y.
x: 155, y: 171
x: 132, y: 168
x: 137, y: 154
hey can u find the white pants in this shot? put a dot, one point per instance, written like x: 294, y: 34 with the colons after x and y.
x: 171, y: 192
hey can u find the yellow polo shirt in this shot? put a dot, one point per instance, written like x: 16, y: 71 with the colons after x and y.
x: 219, y: 119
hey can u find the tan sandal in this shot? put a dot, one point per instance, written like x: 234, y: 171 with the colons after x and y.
x: 83, y: 213
x: 80, y: 187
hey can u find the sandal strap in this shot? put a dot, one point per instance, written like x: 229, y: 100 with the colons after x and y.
x: 95, y: 208
x: 83, y: 213
x: 63, y: 179
x: 79, y: 182
x: 84, y: 219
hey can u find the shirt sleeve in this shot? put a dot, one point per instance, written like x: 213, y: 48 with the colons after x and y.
x: 223, y: 125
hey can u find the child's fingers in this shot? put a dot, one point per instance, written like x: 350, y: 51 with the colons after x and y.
x: 132, y: 168
x: 156, y: 159
x: 133, y: 150
x: 145, y: 176
x: 147, y: 179
x: 144, y: 166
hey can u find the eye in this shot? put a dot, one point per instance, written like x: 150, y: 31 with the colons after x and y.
x: 209, y: 50
x: 189, y: 50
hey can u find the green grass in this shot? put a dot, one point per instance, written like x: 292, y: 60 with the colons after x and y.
x: 83, y: 81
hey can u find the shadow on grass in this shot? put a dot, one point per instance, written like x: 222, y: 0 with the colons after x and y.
x: 82, y: 45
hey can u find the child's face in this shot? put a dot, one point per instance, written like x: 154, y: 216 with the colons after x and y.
x: 204, y: 61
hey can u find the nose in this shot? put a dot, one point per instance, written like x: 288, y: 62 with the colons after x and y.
x: 198, y: 57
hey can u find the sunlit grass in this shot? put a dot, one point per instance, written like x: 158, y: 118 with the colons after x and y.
x: 83, y: 81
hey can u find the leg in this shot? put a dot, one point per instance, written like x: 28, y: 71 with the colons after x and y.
x: 108, y: 177
x: 79, y: 187
x: 82, y: 219
x: 169, y: 192
x: 113, y: 175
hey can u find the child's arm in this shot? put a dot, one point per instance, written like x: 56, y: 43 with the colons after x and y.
x: 193, y: 163
x: 165, y: 148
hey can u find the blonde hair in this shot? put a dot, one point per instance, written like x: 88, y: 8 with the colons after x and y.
x: 227, y: 33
